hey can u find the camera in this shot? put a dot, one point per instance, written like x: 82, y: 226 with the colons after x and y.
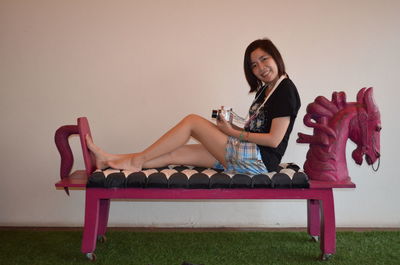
x: 223, y: 112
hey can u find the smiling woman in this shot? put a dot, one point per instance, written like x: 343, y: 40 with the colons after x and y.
x: 255, y: 149
x: 264, y: 66
x: 260, y: 56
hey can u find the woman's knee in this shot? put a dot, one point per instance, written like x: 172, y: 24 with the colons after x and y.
x: 192, y: 119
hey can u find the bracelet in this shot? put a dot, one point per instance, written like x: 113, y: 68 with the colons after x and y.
x: 244, y: 137
x: 241, y: 136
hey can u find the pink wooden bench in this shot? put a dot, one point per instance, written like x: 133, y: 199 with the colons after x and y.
x: 325, y: 166
x: 319, y: 196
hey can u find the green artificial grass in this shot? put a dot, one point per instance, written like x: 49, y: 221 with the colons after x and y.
x: 209, y: 248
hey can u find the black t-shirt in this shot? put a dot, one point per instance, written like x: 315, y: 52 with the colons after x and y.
x: 283, y: 102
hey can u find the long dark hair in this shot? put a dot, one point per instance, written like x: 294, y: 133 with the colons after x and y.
x: 267, y: 46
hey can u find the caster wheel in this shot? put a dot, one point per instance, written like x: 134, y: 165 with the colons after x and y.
x: 91, y: 256
x: 314, y: 238
x: 326, y: 256
x: 102, y: 238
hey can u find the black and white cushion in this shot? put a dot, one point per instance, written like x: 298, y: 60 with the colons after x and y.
x: 288, y: 175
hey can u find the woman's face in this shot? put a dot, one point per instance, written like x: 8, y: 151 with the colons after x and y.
x: 263, y: 66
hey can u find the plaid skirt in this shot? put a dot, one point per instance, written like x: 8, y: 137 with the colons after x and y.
x: 242, y: 157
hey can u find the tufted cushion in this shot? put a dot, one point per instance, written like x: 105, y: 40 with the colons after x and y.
x: 288, y: 175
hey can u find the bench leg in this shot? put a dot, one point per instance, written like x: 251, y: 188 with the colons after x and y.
x: 103, y: 219
x: 313, y: 219
x: 328, y: 228
x: 92, y: 210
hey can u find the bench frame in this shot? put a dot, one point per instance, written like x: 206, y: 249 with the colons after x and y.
x: 320, y: 202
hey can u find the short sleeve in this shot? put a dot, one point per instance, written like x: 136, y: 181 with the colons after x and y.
x: 286, y: 100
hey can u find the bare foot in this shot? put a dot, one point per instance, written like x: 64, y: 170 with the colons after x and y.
x: 132, y: 162
x: 100, y: 156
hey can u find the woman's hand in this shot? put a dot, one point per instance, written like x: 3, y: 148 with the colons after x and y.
x: 224, y: 126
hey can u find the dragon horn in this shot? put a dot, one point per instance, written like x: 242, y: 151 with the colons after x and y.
x: 369, y: 101
x: 360, y: 95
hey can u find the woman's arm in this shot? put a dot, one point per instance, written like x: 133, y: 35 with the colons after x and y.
x: 236, y: 127
x: 271, y: 139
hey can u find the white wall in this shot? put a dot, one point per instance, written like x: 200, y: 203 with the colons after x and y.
x: 135, y: 68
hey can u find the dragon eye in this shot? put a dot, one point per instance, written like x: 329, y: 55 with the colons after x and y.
x: 378, y: 128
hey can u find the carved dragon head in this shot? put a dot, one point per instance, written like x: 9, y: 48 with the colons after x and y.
x: 365, y: 128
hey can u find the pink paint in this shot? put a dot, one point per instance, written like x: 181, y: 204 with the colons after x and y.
x: 84, y: 130
x: 321, y: 210
x: 319, y: 197
x: 334, y: 122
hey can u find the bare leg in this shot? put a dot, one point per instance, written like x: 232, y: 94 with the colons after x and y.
x: 103, y: 158
x: 193, y: 154
x: 211, y: 138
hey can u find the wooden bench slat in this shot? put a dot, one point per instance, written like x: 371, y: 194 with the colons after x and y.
x: 77, y: 179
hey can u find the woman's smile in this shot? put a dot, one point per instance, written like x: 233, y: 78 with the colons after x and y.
x: 264, y: 66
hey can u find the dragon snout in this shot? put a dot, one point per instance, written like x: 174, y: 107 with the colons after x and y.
x: 368, y: 159
x: 372, y: 158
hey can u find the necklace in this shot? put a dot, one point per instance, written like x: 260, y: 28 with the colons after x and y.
x: 265, y: 100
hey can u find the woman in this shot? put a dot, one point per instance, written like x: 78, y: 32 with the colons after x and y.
x: 256, y: 148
